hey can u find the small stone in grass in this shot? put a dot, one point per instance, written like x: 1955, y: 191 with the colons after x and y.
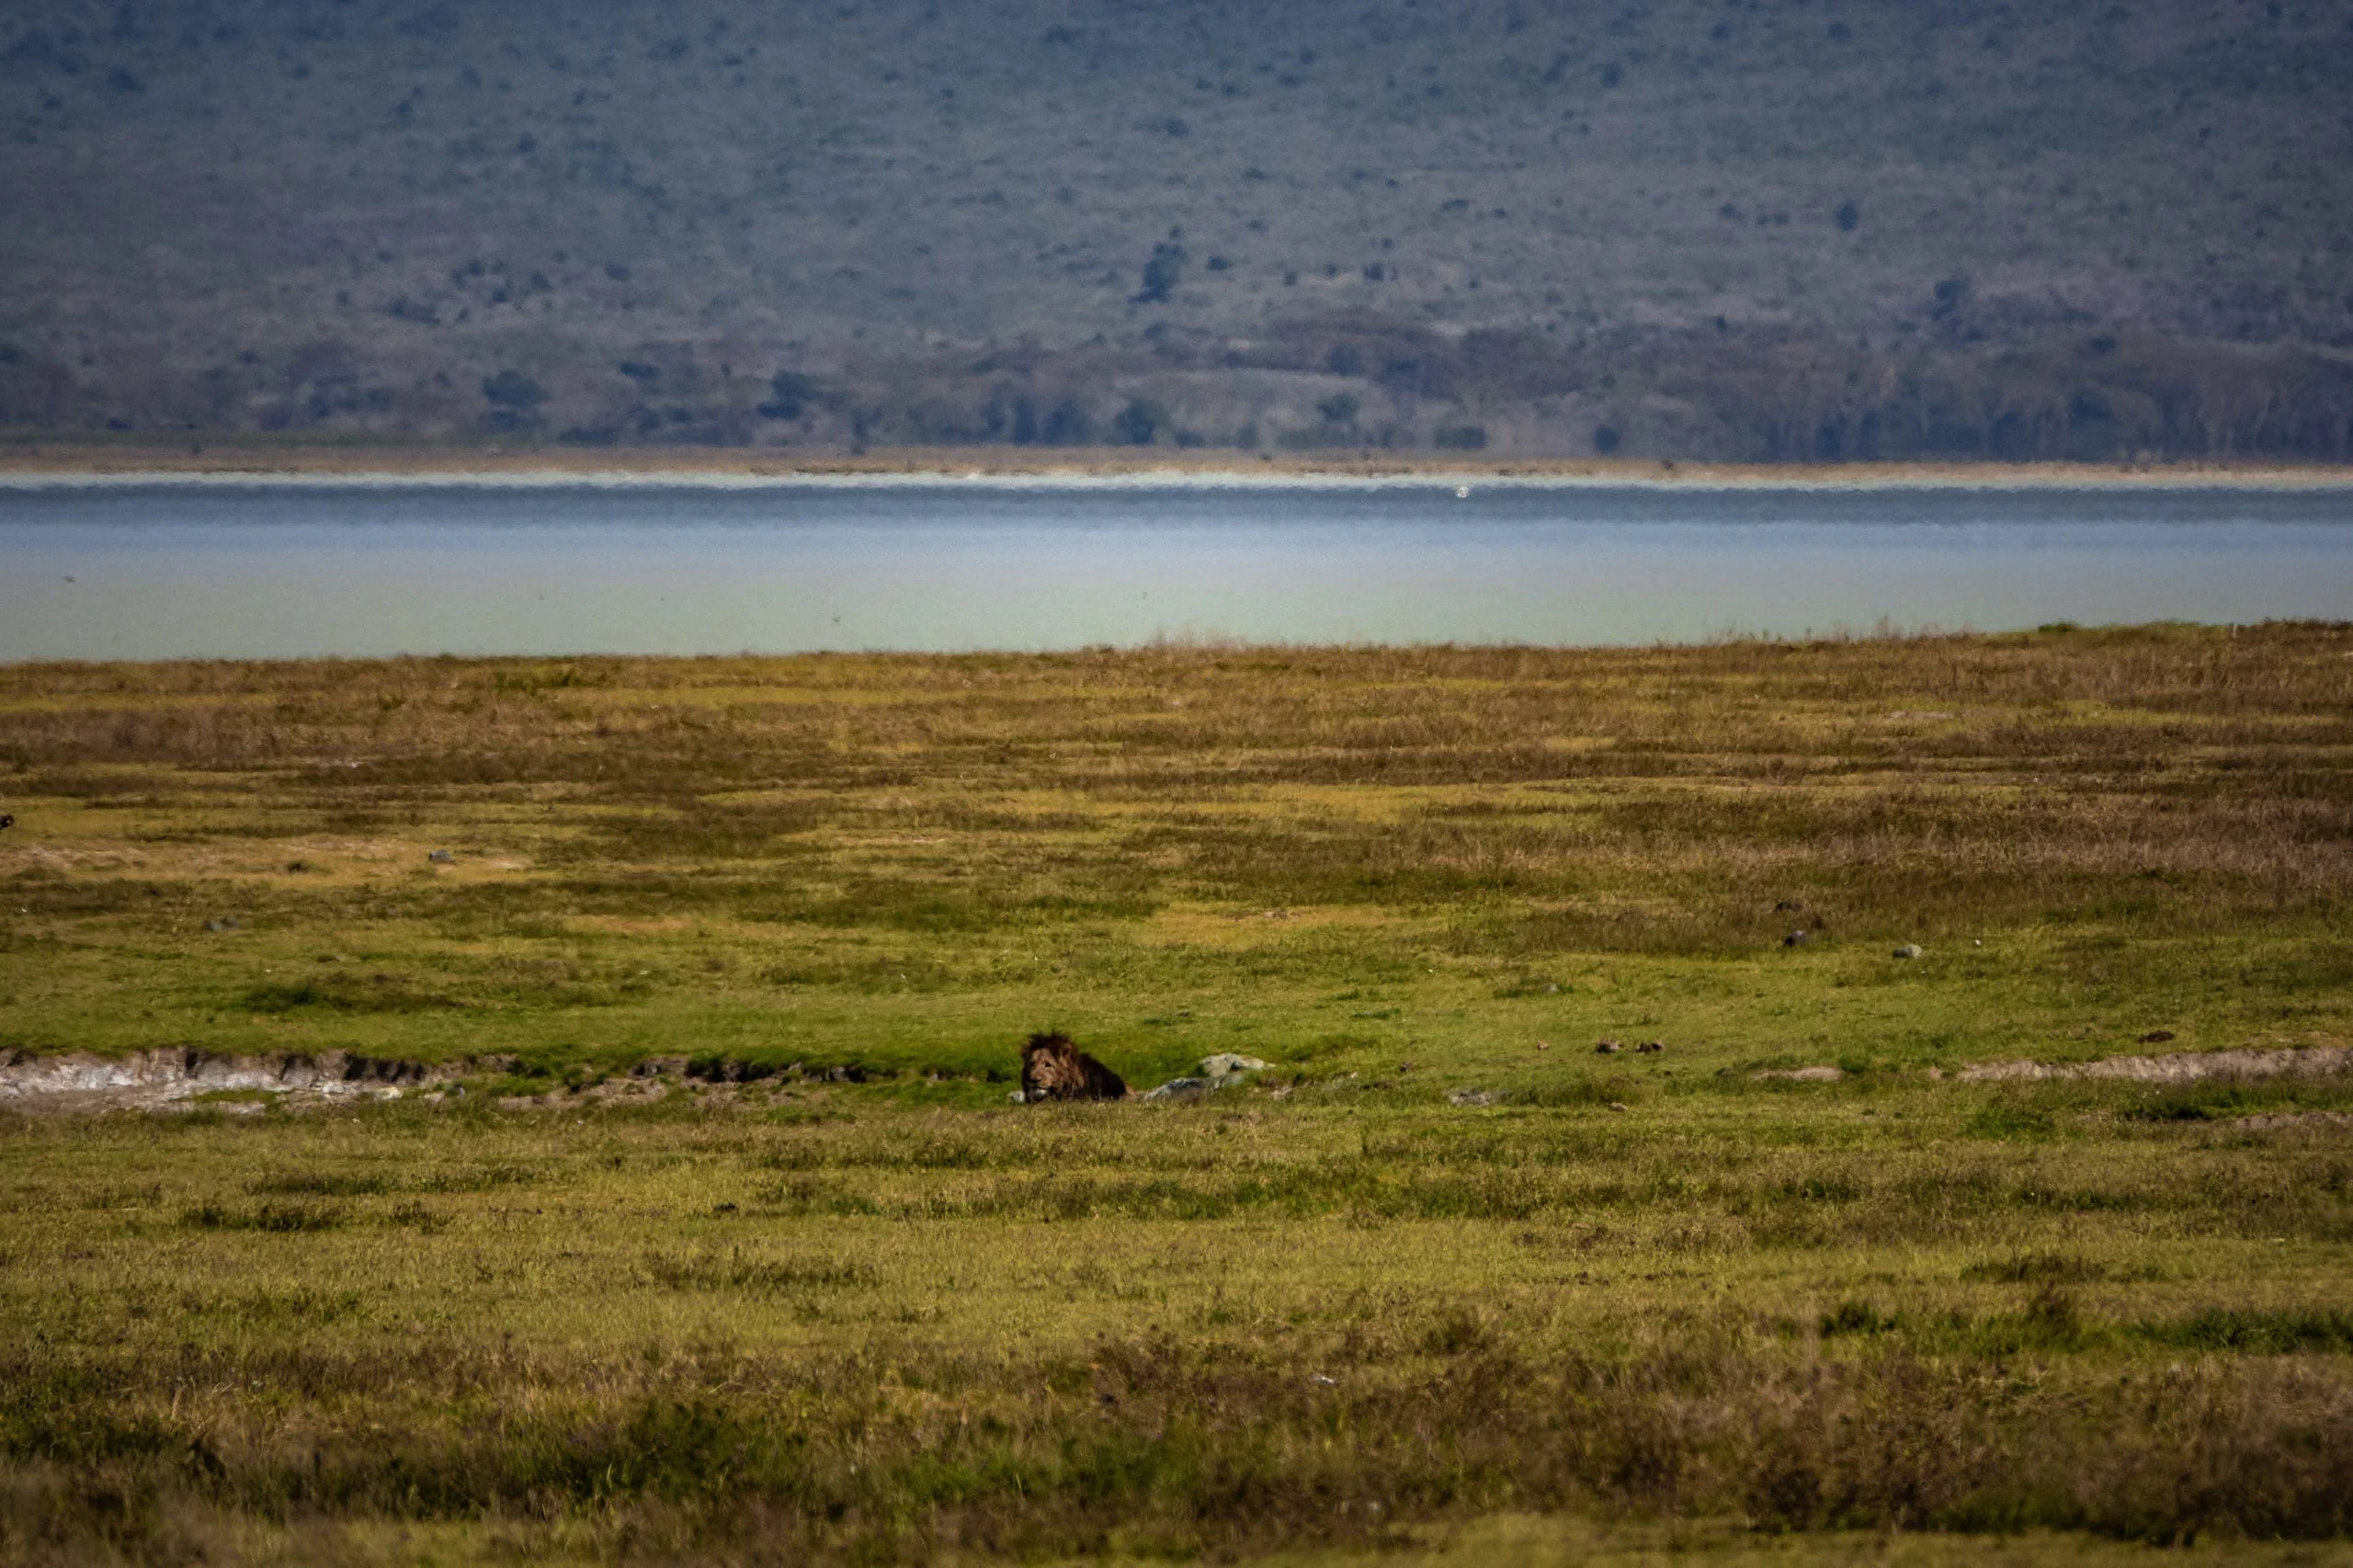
x: 1908, y: 950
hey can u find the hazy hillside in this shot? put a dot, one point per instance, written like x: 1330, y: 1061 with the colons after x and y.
x: 1817, y: 228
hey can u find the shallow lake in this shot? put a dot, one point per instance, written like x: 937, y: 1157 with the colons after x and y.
x: 228, y: 570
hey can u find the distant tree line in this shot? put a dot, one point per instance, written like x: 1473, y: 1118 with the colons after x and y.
x: 1340, y: 383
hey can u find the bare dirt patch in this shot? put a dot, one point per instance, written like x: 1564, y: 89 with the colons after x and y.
x: 2288, y: 1120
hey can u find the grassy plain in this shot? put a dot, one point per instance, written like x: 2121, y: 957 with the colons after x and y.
x: 1638, y: 1305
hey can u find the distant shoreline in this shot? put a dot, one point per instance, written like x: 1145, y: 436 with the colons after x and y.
x: 66, y: 466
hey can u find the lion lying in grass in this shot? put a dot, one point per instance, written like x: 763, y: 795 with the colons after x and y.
x: 1054, y: 1069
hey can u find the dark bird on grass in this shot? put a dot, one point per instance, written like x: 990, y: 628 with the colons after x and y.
x: 6, y: 822
x: 1054, y: 1069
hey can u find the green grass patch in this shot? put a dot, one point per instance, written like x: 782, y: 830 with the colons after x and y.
x: 758, y: 1262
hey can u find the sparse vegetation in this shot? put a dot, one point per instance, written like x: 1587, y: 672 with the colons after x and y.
x: 1340, y: 408
x: 793, y: 392
x: 1161, y: 273
x: 826, y: 1296
x: 1139, y: 423
x: 513, y: 390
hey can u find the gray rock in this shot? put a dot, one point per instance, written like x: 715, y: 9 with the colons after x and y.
x: 1797, y: 938
x: 441, y: 857
x: 1908, y: 950
x: 226, y: 923
x: 1473, y: 1097
x: 1226, y: 1064
x: 1180, y: 1089
x: 1607, y: 1047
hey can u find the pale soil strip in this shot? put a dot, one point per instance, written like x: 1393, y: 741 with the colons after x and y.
x: 2178, y: 1067
x: 154, y: 1079
x: 2181, y: 1067
x: 151, y: 1079
x: 79, y: 468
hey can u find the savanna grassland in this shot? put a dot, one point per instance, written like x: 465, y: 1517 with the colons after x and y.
x: 1440, y: 1279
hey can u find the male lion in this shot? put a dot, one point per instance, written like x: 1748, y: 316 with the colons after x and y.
x: 1054, y: 1069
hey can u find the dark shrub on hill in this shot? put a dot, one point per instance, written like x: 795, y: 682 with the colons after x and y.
x: 794, y: 391
x: 1067, y: 426
x: 1161, y: 273
x: 512, y: 389
x: 1139, y: 422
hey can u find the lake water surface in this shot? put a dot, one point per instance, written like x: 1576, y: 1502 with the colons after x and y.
x: 225, y: 570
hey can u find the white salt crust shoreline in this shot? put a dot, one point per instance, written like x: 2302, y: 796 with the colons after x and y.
x: 2023, y: 482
